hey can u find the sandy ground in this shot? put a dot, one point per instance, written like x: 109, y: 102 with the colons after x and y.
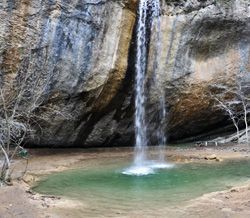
x: 18, y: 201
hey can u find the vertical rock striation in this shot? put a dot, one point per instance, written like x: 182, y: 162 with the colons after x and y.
x: 79, y: 57
x: 80, y: 48
x: 203, y: 43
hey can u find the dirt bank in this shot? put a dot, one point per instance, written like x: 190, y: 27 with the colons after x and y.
x: 19, y: 202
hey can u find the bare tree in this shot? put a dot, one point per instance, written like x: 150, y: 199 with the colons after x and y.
x: 235, y: 102
x: 21, y: 104
x: 227, y: 107
x: 12, y: 133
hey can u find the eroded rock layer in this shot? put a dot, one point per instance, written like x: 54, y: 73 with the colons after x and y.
x: 77, y: 58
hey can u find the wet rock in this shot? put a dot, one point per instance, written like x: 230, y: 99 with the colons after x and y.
x: 204, y: 53
x: 30, y: 192
x: 234, y: 190
x: 211, y: 157
x: 75, y: 56
x: 79, y: 57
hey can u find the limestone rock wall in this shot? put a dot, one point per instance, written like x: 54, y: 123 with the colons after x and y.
x: 77, y: 58
x: 78, y: 49
x: 205, y: 43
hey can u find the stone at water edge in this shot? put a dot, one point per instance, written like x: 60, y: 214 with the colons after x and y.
x: 211, y: 157
x: 29, y: 179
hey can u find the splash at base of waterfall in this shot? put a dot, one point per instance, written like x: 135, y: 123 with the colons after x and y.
x: 146, y: 168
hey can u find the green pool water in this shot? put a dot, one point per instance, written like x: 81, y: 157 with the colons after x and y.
x: 104, y: 189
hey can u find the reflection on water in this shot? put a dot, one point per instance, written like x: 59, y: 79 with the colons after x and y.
x: 105, y: 190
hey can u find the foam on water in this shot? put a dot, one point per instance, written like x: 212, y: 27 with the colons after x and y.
x: 147, y: 168
x: 138, y: 171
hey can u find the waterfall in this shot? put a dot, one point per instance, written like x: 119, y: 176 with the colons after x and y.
x: 158, y: 82
x: 140, y: 124
x: 149, y: 11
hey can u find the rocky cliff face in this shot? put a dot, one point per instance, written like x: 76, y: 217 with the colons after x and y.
x: 205, y: 44
x: 77, y: 58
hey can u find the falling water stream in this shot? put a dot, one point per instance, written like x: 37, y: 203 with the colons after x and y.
x: 140, y: 124
x: 148, y: 11
x: 156, y: 27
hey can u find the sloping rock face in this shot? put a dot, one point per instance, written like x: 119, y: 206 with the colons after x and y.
x: 75, y: 55
x: 77, y: 59
x: 205, y: 44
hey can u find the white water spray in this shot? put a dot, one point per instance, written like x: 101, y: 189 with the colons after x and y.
x: 159, y: 86
x: 143, y: 166
x: 140, y: 124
